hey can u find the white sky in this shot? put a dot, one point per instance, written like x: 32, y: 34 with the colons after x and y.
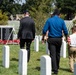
x: 21, y: 2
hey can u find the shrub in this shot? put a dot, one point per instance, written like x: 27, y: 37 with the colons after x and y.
x: 63, y: 16
x: 74, y: 21
x: 3, y: 18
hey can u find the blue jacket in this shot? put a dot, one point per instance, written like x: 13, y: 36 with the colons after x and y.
x: 55, y: 25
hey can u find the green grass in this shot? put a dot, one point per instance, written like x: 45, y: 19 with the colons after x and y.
x: 34, y: 63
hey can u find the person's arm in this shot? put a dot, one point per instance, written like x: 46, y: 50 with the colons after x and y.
x: 65, y: 31
x: 33, y: 30
x: 68, y: 40
x: 45, y: 32
x: 19, y: 32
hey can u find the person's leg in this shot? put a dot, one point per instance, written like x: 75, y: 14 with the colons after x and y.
x: 71, y: 62
x: 75, y: 57
x: 28, y: 44
x: 71, y: 59
x: 52, y: 50
x: 22, y: 43
x: 53, y: 57
x: 58, y: 57
x: 54, y: 44
x: 73, y: 49
x: 58, y: 46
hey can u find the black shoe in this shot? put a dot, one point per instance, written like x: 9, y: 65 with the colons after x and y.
x: 55, y: 73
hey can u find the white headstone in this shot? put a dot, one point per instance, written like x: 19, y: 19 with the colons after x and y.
x: 23, y: 62
x: 6, y: 56
x: 63, y: 49
x: 40, y: 37
x: 36, y: 44
x: 47, y: 50
x: 75, y: 69
x: 45, y: 64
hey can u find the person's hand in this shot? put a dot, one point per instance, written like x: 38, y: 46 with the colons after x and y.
x: 68, y: 40
x: 45, y: 38
x: 17, y: 39
x: 43, y: 41
x: 33, y: 40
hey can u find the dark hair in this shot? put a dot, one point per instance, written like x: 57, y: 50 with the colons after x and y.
x: 56, y: 12
x: 73, y: 28
x: 26, y: 11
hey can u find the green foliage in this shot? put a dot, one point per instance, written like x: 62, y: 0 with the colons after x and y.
x: 39, y: 10
x: 39, y: 5
x: 10, y: 7
x: 40, y: 19
x: 63, y: 16
x: 74, y: 22
x: 67, y: 7
x: 15, y: 9
x: 3, y: 18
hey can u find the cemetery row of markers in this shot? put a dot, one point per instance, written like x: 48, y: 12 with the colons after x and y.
x: 45, y: 60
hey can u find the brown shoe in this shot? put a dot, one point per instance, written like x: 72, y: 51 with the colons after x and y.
x: 72, y: 71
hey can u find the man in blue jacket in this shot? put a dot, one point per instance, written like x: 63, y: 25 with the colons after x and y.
x: 55, y: 27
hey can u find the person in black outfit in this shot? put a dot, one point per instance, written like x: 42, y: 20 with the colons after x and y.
x: 26, y: 32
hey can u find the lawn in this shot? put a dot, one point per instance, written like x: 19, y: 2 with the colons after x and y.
x: 34, y: 63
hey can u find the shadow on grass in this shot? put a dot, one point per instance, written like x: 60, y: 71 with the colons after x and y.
x: 65, y: 69
x: 1, y: 64
x: 37, y: 68
x: 14, y: 59
x: 38, y: 59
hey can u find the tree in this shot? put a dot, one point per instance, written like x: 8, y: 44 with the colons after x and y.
x: 42, y: 5
x: 67, y: 7
x: 39, y: 10
x: 3, y: 18
x: 10, y: 6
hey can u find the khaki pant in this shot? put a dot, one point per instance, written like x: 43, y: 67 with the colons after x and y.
x: 72, y: 57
